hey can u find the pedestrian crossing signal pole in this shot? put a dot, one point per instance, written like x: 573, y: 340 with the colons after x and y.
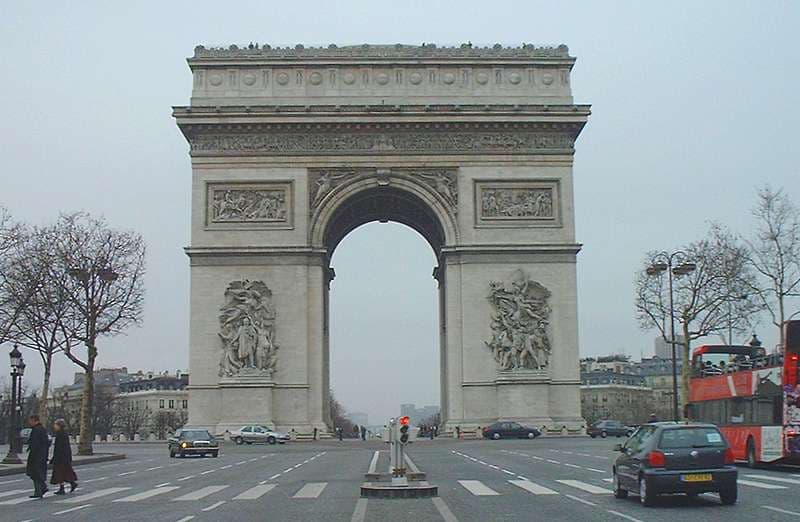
x: 398, y: 438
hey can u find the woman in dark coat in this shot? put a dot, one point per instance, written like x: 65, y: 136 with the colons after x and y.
x: 62, y: 459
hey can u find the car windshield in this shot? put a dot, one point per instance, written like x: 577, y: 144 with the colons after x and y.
x: 694, y: 437
x: 196, y: 435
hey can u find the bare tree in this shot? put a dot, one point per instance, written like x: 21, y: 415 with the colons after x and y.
x: 105, y: 291
x: 774, y: 253
x: 40, y: 297
x: 166, y: 422
x: 103, y: 410
x: 130, y: 420
x: 709, y: 300
x: 339, y: 416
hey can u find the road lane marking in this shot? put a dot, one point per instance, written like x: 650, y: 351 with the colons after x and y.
x: 227, y: 467
x: 589, y: 488
x: 596, y: 470
x: 242, y: 462
x: 208, y: 471
x: 623, y: 515
x: 10, y: 481
x: 373, y: 464
x: 311, y: 490
x: 201, y: 493
x: 94, y: 480
x: 567, y: 464
x: 162, y: 484
x: 255, y: 493
x: 70, y: 510
x: 185, y: 519
x: 507, y: 472
x: 147, y: 494
x: 13, y: 492
x: 154, y: 468
x: 608, y: 480
x: 186, y: 478
x: 93, y: 495
x: 443, y: 510
x: 761, y: 485
x: 784, y: 511
x: 551, y: 461
x: 276, y: 475
x: 532, y: 487
x: 213, y: 506
x: 579, y: 499
x: 128, y: 473
x: 14, y: 502
x: 477, y: 488
x: 776, y: 479
x: 361, y: 510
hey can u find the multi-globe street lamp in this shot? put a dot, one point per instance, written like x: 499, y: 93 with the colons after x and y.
x: 14, y: 440
x: 675, y: 264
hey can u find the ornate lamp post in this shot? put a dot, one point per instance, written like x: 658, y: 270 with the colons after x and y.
x: 14, y: 441
x: 675, y: 264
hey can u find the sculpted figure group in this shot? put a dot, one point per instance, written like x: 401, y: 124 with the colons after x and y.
x: 247, y: 330
x: 520, y: 324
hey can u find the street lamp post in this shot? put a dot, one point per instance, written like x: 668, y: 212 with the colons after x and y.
x: 14, y: 441
x: 674, y: 264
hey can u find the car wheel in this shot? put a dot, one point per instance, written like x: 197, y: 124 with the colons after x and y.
x: 239, y: 441
x: 603, y: 434
x: 271, y: 440
x: 619, y: 492
x: 496, y: 436
x: 531, y: 435
x: 215, y: 454
x: 751, y: 454
x: 646, y: 497
x: 729, y: 496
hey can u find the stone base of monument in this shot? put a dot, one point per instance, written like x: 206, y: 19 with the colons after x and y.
x: 414, y: 489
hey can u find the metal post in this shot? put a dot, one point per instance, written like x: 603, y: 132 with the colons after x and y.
x: 12, y: 457
x: 674, y: 355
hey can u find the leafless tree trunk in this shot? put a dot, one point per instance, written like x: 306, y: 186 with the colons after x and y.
x: 774, y: 254
x: 105, y: 290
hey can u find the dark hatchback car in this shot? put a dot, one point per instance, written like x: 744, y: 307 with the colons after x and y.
x: 192, y: 442
x: 664, y: 458
x: 609, y: 428
x: 509, y: 430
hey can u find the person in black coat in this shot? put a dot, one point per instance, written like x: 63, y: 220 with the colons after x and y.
x: 38, y: 448
x: 62, y: 459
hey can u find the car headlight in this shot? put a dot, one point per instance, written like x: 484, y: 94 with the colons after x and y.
x: 184, y: 444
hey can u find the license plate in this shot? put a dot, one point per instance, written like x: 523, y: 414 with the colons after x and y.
x: 697, y: 477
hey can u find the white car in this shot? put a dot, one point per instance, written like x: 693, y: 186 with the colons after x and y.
x: 258, y: 434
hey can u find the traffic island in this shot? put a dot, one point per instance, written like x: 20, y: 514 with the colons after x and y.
x: 414, y: 489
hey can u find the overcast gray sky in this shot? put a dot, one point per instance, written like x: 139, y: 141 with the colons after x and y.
x: 694, y: 105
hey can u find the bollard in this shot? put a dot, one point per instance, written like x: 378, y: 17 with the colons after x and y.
x: 123, y: 438
x: 137, y: 437
x: 97, y: 438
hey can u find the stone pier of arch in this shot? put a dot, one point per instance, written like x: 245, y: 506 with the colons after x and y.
x: 291, y: 149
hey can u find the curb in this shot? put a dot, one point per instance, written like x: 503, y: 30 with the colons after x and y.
x: 93, y: 459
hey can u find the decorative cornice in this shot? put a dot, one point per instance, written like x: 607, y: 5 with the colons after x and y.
x: 366, y: 51
x: 545, y: 110
x: 382, y: 139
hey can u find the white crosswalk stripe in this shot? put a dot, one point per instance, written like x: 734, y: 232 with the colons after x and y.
x: 762, y: 485
x: 532, y: 487
x: 311, y: 490
x: 255, y: 493
x: 147, y: 494
x: 775, y: 479
x: 12, y: 492
x: 15, y: 501
x: 94, y: 494
x: 477, y: 488
x: 201, y: 493
x: 589, y: 488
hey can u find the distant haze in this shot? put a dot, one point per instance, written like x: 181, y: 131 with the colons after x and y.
x: 694, y: 105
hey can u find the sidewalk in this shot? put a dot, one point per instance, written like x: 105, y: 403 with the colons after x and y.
x: 77, y: 460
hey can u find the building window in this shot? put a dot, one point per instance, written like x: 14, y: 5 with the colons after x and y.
x: 171, y: 404
x: 161, y: 403
x: 185, y: 404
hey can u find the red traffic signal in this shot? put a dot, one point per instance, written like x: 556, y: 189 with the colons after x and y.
x: 404, y: 420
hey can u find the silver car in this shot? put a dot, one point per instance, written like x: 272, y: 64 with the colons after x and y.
x: 258, y: 435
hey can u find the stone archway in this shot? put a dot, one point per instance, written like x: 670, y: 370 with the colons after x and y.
x: 293, y: 148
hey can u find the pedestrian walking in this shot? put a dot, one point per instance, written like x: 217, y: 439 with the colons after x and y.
x: 653, y: 418
x: 356, y: 431
x: 340, y: 432
x: 38, y: 448
x: 363, y: 432
x: 62, y: 459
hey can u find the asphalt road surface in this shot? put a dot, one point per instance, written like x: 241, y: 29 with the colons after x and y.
x: 487, y: 481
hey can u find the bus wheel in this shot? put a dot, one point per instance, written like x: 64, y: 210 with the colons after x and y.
x: 751, y: 453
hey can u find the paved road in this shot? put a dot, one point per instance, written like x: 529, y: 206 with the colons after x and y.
x: 546, y: 479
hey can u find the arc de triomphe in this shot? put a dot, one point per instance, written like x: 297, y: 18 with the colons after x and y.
x: 292, y: 148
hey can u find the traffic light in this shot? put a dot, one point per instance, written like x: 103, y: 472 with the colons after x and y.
x: 404, y: 427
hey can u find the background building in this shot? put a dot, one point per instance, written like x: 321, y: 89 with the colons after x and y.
x: 418, y: 415
x: 611, y: 389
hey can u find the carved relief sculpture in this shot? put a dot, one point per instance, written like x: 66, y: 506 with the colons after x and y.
x: 247, y: 330
x: 322, y: 183
x: 516, y: 202
x: 247, y: 205
x: 520, y: 324
x: 443, y: 181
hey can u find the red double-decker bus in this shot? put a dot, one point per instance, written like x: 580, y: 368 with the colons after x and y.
x: 753, y: 396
